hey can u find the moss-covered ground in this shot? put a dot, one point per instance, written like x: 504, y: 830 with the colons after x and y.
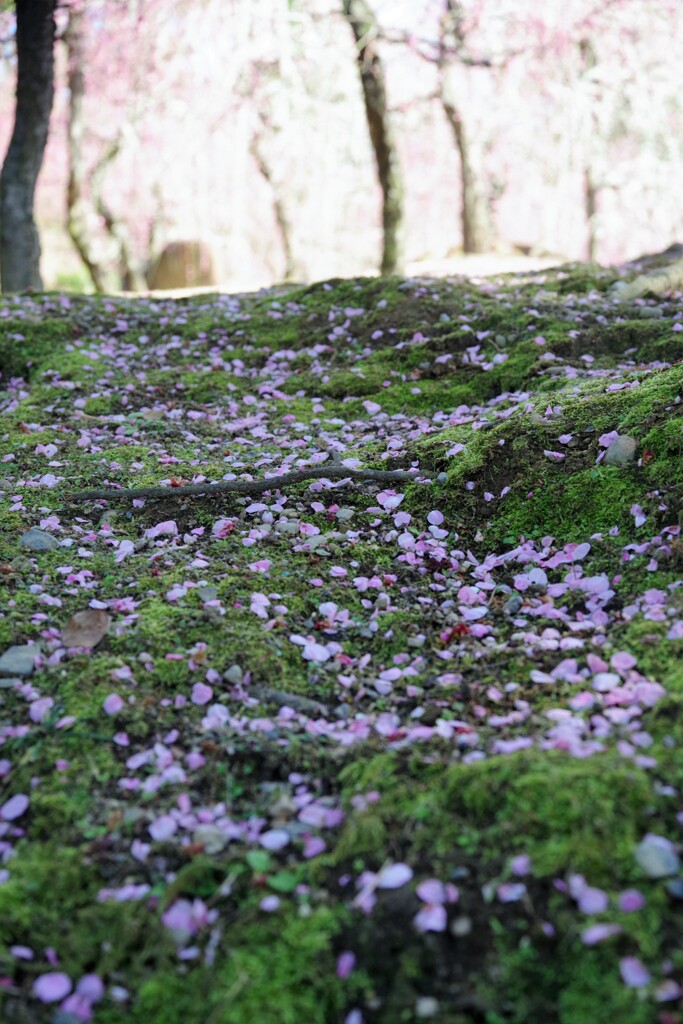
x: 344, y: 753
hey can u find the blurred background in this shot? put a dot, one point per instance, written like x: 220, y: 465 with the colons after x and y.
x: 247, y: 142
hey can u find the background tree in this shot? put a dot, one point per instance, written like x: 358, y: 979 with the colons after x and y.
x: 19, y: 241
x: 364, y: 27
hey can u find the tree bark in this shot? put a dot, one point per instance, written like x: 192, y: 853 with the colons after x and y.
x: 363, y: 24
x: 19, y: 241
x: 475, y: 215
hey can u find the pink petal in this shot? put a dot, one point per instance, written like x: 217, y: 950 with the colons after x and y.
x: 630, y: 900
x: 201, y: 694
x: 346, y: 961
x: 634, y: 973
x: 163, y: 828
x: 598, y: 933
x: 51, y: 987
x: 14, y: 808
x: 112, y: 704
x: 432, y: 891
x: 394, y: 876
x: 431, y: 918
x: 274, y: 839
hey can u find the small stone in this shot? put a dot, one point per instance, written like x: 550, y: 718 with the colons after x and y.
x: 621, y: 452
x: 461, y: 926
x: 211, y: 838
x: 512, y: 605
x: 442, y: 478
x: 674, y: 887
x: 207, y: 593
x: 415, y: 641
x: 426, y: 1007
x: 234, y: 675
x: 288, y: 528
x: 19, y: 660
x: 344, y: 514
x: 650, y: 312
x: 38, y: 540
x: 657, y: 857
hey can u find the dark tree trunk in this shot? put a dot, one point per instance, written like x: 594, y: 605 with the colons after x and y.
x: 363, y: 24
x: 19, y: 242
x: 475, y: 218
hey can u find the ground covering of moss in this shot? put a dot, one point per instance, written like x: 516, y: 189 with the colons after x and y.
x: 309, y: 706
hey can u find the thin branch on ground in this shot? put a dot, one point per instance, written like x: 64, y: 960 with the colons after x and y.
x: 270, y: 483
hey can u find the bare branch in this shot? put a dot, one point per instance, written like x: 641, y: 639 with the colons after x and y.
x: 271, y: 483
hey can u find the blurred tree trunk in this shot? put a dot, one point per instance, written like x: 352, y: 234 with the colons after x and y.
x: 86, y: 205
x: 19, y: 241
x: 476, y: 220
x: 292, y: 270
x: 364, y: 27
x: 77, y: 206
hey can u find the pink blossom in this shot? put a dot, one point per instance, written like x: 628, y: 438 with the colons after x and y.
x: 112, y: 704
x: 201, y: 694
x: 274, y: 839
x: 393, y: 876
x: 52, y: 987
x: 346, y: 961
x: 163, y: 828
x: 14, y: 808
x: 598, y: 933
x: 431, y: 917
x: 633, y: 972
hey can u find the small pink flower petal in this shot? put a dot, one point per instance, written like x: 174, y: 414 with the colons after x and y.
x: 432, y: 891
x: 14, y: 808
x: 52, y: 987
x: 431, y: 918
x: 598, y: 933
x: 112, y: 704
x: 201, y: 694
x: 274, y: 839
x: 394, y: 876
x: 163, y: 828
x: 633, y: 972
x: 346, y: 961
x: 630, y: 900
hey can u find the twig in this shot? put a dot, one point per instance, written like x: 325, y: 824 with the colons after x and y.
x: 269, y: 483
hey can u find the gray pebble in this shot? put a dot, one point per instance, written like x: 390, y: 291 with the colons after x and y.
x: 207, y: 593
x: 442, y: 478
x: 621, y: 452
x: 657, y: 858
x: 38, y: 540
x: 674, y: 887
x: 513, y: 604
x: 19, y: 660
x: 234, y: 675
x: 461, y: 926
x: 212, y: 838
x: 427, y: 1007
x: 650, y: 312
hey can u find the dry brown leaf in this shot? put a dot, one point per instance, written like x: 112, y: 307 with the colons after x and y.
x: 87, y: 628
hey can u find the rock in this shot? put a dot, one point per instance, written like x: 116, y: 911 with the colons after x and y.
x: 461, y: 926
x: 185, y: 264
x: 621, y: 452
x: 427, y: 1007
x: 512, y: 605
x: 207, y: 593
x: 19, y: 660
x: 212, y: 838
x: 38, y: 540
x: 650, y: 312
x: 674, y: 887
x: 442, y: 478
x: 656, y: 856
x: 234, y: 675
x: 344, y: 514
